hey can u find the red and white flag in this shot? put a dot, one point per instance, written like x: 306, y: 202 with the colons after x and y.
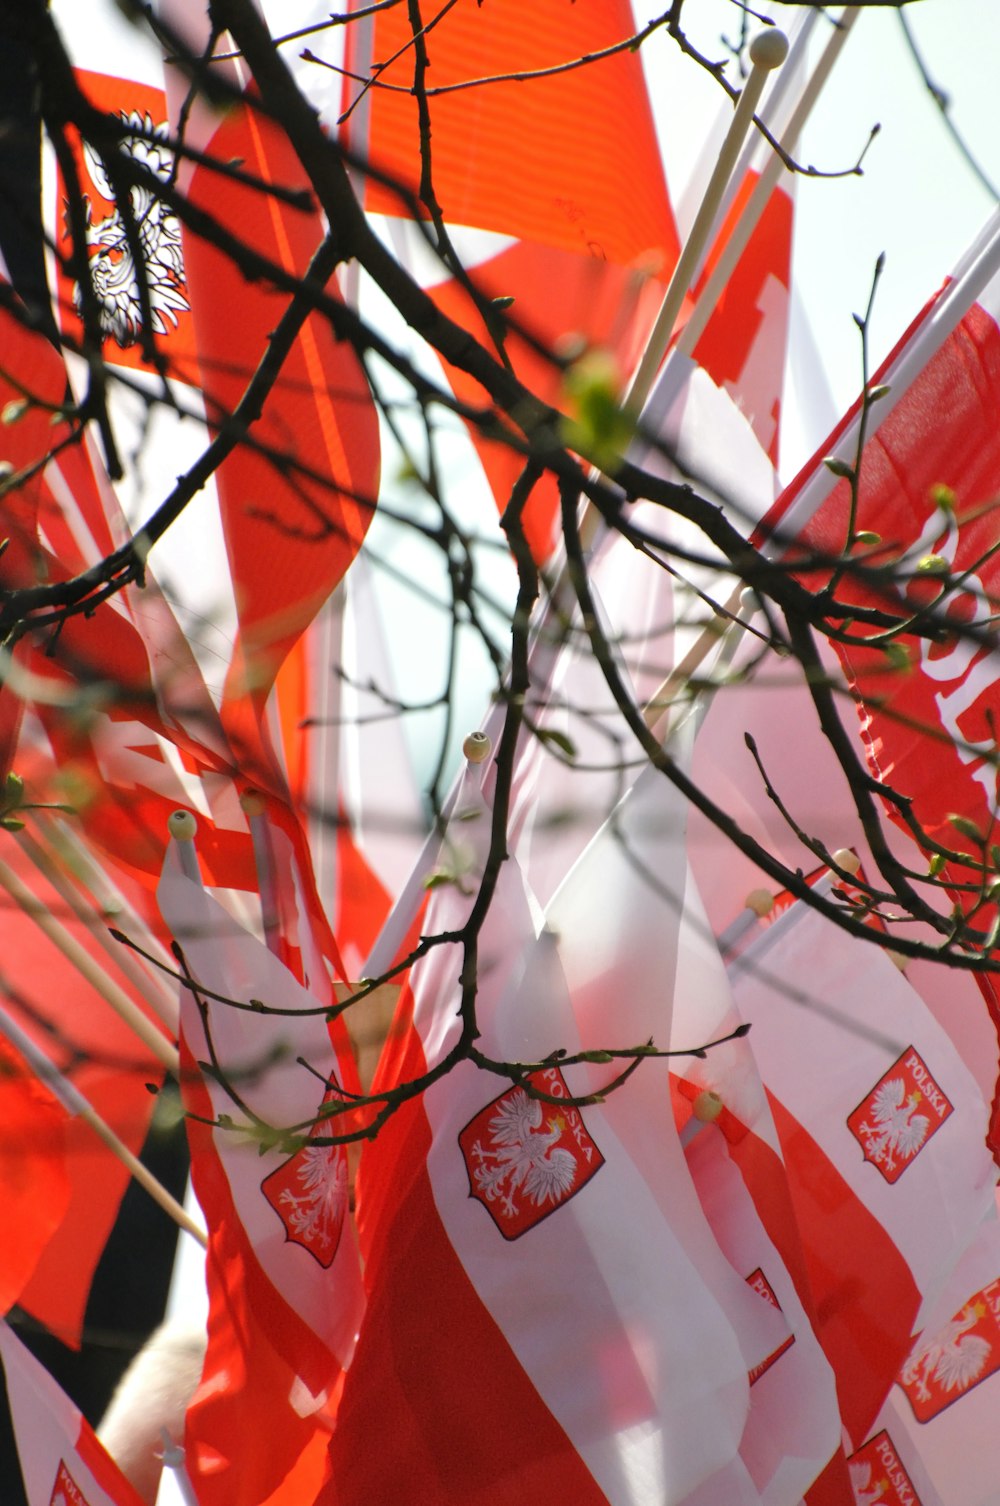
x: 936, y: 1430
x: 793, y: 1429
x: 881, y: 1129
x: 652, y: 609
x: 929, y: 476
x: 62, y: 1462
x: 476, y: 1194
x: 929, y: 473
x: 284, y: 1277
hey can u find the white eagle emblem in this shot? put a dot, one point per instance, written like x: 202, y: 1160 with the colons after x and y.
x: 952, y: 1358
x: 898, y: 1130
x: 112, y: 268
x: 309, y: 1192
x: 522, y: 1159
x: 866, y: 1493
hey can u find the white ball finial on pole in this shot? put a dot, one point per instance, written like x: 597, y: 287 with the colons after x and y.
x: 767, y: 52
x: 769, y: 48
x: 182, y: 826
x: 477, y: 747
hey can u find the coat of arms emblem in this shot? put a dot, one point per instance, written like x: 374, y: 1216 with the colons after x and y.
x: 525, y: 1157
x: 900, y: 1114
x: 878, y: 1478
x: 66, y: 1492
x: 113, y: 270
x: 133, y: 238
x: 945, y: 1364
x: 309, y: 1193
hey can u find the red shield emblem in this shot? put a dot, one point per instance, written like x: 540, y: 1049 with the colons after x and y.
x: 760, y: 1284
x: 66, y: 1492
x: 878, y: 1477
x: 525, y: 1157
x: 944, y: 1365
x: 309, y: 1193
x: 114, y: 277
x: 899, y: 1116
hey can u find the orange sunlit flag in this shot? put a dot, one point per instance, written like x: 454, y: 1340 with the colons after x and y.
x: 567, y: 164
x: 568, y: 160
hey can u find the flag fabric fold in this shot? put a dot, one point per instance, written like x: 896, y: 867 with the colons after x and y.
x: 61, y: 1459
x: 628, y: 1366
x: 284, y: 1282
x: 877, y: 1121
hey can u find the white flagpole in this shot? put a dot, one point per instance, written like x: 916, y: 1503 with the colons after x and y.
x: 756, y: 204
x: 768, y: 51
x: 75, y: 1104
x: 260, y: 836
x: 173, y: 1459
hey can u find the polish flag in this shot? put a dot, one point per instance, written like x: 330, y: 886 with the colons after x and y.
x: 877, y: 1120
x: 929, y: 475
x: 653, y: 609
x: 271, y: 1076
x: 295, y: 503
x: 793, y: 1429
x: 936, y: 1430
x: 62, y: 1463
x: 625, y: 1374
x: 929, y: 471
x: 284, y: 1282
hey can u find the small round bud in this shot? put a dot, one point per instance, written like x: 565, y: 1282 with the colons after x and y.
x: 707, y: 1107
x: 847, y: 860
x: 769, y: 48
x: 182, y: 826
x: 760, y: 901
x: 252, y: 803
x: 477, y: 747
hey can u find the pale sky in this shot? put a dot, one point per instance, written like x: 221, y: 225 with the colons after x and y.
x: 918, y: 201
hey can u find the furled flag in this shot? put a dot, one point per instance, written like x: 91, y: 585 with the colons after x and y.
x: 629, y: 887
x: 935, y: 1435
x: 294, y: 502
x: 878, y: 1120
x: 654, y: 610
x: 791, y: 1440
x: 793, y: 1428
x: 549, y: 1262
x: 62, y: 1463
x: 284, y: 1276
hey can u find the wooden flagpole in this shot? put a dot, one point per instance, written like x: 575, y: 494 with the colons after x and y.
x: 768, y: 51
x: 756, y: 204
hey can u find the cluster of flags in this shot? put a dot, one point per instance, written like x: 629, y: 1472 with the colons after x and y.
x: 687, y: 1193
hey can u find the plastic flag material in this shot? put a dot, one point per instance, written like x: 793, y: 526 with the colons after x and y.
x: 61, y: 1460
